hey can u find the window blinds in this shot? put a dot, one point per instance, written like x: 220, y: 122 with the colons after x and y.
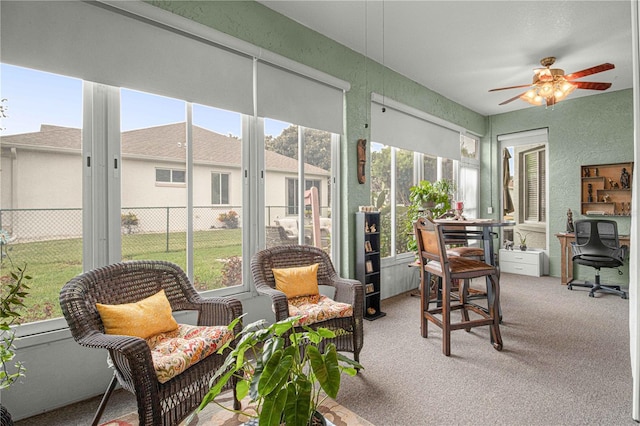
x: 93, y: 43
x: 407, y: 128
x: 293, y: 98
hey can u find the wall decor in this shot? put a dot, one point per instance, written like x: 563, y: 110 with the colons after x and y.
x: 606, y: 189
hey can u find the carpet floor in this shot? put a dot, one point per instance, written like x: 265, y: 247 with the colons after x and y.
x: 565, y: 362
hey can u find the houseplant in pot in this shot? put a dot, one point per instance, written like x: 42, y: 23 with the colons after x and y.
x: 13, y: 290
x: 426, y: 197
x: 287, y: 374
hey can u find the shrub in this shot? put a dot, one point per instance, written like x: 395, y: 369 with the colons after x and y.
x: 229, y: 219
x: 129, y: 222
x: 232, y: 271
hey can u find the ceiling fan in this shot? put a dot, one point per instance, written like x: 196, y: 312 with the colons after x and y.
x: 551, y: 85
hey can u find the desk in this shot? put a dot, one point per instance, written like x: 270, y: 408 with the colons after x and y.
x: 566, y: 254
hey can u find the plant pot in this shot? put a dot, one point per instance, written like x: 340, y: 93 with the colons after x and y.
x: 523, y: 247
x: 5, y: 417
x: 316, y: 420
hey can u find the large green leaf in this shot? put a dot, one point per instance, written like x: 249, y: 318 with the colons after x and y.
x: 275, y: 372
x: 326, y: 369
x: 297, y: 410
x: 271, y: 413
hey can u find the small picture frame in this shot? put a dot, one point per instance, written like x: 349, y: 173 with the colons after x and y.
x: 369, y: 266
x: 369, y: 288
x: 367, y: 246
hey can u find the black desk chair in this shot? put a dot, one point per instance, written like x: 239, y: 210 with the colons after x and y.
x: 597, y: 246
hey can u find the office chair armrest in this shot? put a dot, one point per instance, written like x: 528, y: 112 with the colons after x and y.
x: 622, y: 251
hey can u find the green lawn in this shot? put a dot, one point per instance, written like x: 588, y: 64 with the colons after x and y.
x: 53, y: 263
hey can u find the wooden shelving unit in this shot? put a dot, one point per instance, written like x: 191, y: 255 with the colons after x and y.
x: 603, y: 193
x: 368, y: 261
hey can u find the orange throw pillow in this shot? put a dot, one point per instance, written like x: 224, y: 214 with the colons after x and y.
x: 143, y: 319
x: 295, y: 282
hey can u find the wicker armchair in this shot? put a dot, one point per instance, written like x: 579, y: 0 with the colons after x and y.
x: 126, y: 282
x: 346, y: 290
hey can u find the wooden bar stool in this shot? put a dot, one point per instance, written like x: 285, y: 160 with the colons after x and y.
x: 433, y: 255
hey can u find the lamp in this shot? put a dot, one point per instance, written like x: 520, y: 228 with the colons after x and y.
x: 549, y: 85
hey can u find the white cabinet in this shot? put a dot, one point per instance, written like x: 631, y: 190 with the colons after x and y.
x: 528, y: 262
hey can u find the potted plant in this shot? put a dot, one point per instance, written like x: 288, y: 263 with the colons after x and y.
x: 523, y: 241
x: 286, y: 382
x: 13, y: 290
x: 434, y: 198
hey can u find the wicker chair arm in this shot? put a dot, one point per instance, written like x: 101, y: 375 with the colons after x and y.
x: 347, y: 290
x: 278, y: 300
x: 218, y: 310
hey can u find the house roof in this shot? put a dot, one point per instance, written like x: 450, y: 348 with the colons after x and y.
x: 165, y: 142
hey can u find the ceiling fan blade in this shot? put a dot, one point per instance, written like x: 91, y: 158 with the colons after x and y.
x: 512, y: 99
x: 510, y: 87
x: 591, y: 85
x: 589, y: 71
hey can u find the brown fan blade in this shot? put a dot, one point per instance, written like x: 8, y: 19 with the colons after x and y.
x: 591, y: 85
x: 589, y: 71
x: 511, y: 87
x: 512, y: 99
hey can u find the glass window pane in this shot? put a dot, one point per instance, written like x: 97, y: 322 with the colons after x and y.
x: 404, y: 182
x: 224, y: 189
x: 215, y: 188
x: 153, y: 135
x: 217, y: 231
x: 318, y: 173
x: 429, y: 168
x: 41, y: 217
x: 380, y: 187
x: 178, y: 176
x: 163, y: 175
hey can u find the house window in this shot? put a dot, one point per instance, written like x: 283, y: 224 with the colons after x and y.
x: 534, y: 175
x: 219, y: 188
x: 170, y: 176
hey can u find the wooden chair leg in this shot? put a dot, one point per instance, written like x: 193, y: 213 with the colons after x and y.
x: 103, y: 402
x: 425, y: 290
x: 494, y: 311
x: 446, y: 316
x: 463, y: 294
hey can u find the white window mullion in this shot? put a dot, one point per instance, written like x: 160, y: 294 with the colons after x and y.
x: 101, y: 194
x: 189, y: 155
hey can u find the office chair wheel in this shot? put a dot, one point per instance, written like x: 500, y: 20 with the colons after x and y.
x: 592, y: 295
x: 624, y: 295
x: 569, y: 286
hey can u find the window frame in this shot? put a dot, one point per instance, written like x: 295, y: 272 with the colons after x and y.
x: 171, y: 182
x: 221, y: 190
x: 539, y: 216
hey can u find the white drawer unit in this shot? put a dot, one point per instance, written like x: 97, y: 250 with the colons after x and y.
x: 516, y: 261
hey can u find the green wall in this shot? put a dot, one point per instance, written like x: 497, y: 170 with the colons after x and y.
x: 594, y: 129
x: 259, y: 25
x: 588, y: 130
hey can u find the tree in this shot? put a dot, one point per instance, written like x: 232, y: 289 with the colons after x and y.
x: 317, y: 148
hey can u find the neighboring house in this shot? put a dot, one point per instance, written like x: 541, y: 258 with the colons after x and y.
x: 153, y: 176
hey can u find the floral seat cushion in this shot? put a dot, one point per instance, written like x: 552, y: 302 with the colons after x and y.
x: 318, y: 308
x: 175, y: 351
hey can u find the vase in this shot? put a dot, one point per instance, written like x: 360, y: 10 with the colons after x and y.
x: 523, y: 247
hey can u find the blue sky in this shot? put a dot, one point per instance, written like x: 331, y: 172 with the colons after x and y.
x: 35, y: 98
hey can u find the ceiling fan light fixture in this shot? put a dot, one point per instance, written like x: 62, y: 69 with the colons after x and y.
x: 551, y: 85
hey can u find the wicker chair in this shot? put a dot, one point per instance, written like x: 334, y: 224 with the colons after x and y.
x: 346, y: 290
x: 126, y: 282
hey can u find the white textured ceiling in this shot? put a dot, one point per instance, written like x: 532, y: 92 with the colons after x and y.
x: 461, y: 49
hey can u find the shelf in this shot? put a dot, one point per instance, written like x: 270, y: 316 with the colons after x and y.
x: 606, y: 186
x: 368, y: 261
x: 375, y: 317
